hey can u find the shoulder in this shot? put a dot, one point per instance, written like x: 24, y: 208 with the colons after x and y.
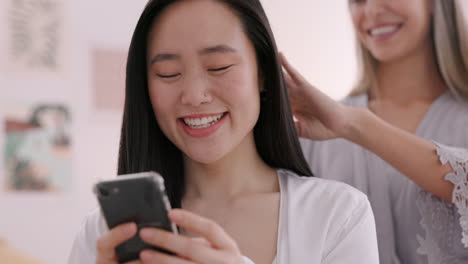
x: 337, y: 216
x: 338, y: 197
x: 455, y: 105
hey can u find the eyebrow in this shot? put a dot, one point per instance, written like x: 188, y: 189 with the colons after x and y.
x: 205, y: 51
x: 164, y: 57
x: 218, y: 49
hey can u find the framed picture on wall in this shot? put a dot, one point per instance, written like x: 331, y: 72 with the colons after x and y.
x: 34, y: 37
x: 108, y: 79
x: 37, y: 147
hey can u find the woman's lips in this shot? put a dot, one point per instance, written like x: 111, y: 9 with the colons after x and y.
x: 384, y: 32
x: 202, y: 125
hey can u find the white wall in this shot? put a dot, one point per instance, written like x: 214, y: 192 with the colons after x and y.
x: 317, y: 38
x: 315, y: 35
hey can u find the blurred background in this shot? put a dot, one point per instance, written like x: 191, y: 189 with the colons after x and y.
x: 61, y: 92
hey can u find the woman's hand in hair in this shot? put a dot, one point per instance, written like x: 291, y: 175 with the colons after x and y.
x: 109, y: 241
x: 214, y: 245
x: 318, y: 116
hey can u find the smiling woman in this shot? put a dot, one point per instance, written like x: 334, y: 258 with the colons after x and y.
x: 207, y: 108
x: 214, y: 76
x: 405, y: 126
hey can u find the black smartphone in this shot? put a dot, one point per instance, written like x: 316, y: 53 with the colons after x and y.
x: 140, y: 198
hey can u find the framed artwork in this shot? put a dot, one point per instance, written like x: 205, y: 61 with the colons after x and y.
x: 34, y: 37
x: 37, y: 147
x: 108, y: 74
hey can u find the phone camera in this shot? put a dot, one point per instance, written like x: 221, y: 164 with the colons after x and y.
x: 103, y: 192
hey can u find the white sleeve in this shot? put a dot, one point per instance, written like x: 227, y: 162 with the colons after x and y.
x: 80, y: 252
x: 247, y: 260
x: 84, y: 247
x: 445, y: 224
x: 357, y: 240
x: 458, y: 160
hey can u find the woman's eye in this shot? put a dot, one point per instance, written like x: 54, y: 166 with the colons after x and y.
x: 356, y: 1
x: 168, y: 76
x: 220, y: 69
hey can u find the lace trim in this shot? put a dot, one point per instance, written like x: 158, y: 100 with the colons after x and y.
x: 439, y: 218
x: 458, y: 160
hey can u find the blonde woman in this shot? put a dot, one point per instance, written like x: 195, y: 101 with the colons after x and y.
x: 402, y: 135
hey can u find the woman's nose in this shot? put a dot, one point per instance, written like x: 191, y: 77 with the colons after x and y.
x: 374, y: 8
x: 196, y: 92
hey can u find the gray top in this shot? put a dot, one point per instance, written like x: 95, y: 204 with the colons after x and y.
x: 413, y: 226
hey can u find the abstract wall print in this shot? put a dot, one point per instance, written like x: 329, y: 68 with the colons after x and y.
x: 35, y: 40
x: 108, y: 73
x: 37, y: 148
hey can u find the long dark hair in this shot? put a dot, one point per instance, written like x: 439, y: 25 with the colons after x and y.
x: 143, y: 146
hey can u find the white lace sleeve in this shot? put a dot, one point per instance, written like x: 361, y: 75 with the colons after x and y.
x: 458, y: 160
x: 446, y: 224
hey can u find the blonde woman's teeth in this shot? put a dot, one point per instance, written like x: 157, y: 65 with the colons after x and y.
x: 384, y: 30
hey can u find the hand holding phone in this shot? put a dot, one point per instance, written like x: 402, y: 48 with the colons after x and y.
x: 134, y: 198
x: 213, y: 244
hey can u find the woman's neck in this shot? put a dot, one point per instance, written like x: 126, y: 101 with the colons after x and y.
x: 240, y: 172
x: 409, y: 79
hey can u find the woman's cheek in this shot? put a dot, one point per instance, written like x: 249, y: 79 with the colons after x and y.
x: 239, y: 85
x: 160, y: 101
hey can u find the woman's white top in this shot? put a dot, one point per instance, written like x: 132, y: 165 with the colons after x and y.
x: 413, y: 226
x: 320, y: 221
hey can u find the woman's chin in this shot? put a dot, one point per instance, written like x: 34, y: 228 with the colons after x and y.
x: 204, y: 158
x: 386, y: 56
